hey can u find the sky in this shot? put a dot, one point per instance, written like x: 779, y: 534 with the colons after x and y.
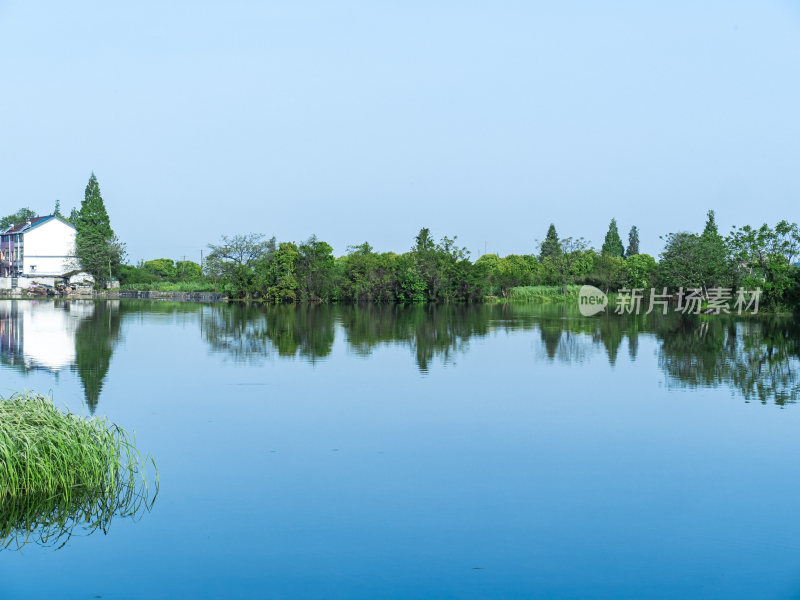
x: 365, y: 121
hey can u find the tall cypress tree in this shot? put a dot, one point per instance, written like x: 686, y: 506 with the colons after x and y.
x: 711, y: 225
x: 612, y: 246
x: 633, y: 242
x: 712, y: 256
x: 97, y: 248
x: 550, y: 246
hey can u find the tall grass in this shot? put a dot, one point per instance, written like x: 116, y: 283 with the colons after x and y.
x: 171, y: 286
x: 542, y: 293
x: 59, y: 470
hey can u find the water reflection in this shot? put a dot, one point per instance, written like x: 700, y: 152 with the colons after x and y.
x: 429, y: 331
x: 250, y: 333
x: 51, y: 521
x: 52, y: 336
x: 757, y: 358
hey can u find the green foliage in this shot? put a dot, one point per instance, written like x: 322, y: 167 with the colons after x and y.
x: 612, y: 246
x: 571, y: 263
x: 608, y: 272
x: 716, y: 268
x: 315, y: 270
x: 277, y: 274
x: 551, y: 245
x: 188, y: 286
x: 233, y: 263
x: 60, y: 470
x: 98, y: 250
x: 542, y: 293
x: 696, y: 261
x: 766, y: 257
x: 21, y: 216
x: 161, y: 267
x: 365, y: 276
x: 163, y: 270
x: 130, y: 276
x: 502, y: 274
x: 640, y: 271
x: 679, y: 264
x: 633, y: 242
x: 251, y: 268
x: 187, y: 270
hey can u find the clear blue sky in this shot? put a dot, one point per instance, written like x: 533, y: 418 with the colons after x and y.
x: 367, y: 120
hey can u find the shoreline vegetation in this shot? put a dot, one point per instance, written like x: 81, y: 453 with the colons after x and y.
x: 60, y: 472
x: 252, y: 268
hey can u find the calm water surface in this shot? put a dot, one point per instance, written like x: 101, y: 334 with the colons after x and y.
x: 485, y: 452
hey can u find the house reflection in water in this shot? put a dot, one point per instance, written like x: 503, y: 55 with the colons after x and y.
x: 54, y: 336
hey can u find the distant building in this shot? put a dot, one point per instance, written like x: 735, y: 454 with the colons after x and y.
x: 41, y: 247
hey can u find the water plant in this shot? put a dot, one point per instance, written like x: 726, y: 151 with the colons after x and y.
x: 543, y: 293
x: 59, y: 471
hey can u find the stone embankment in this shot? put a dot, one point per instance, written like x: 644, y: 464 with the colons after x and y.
x: 115, y: 294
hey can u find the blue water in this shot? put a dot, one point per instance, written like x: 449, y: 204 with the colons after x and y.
x: 458, y: 456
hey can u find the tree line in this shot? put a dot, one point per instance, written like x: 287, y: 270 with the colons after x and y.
x: 253, y: 267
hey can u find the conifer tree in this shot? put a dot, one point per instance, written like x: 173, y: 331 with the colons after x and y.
x: 550, y: 246
x: 612, y: 246
x: 633, y: 242
x: 713, y: 255
x: 97, y: 249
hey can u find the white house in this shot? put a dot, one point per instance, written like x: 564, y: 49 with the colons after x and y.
x: 41, y: 247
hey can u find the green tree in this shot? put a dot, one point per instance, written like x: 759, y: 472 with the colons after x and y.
x: 713, y: 256
x: 696, y: 261
x: 550, y: 246
x: 315, y: 269
x: 17, y: 218
x: 612, y: 246
x: 572, y: 261
x: 679, y: 262
x: 367, y: 276
x: 608, y: 272
x: 766, y: 257
x: 97, y: 249
x: 633, y: 242
x: 233, y: 263
x: 278, y: 274
x: 161, y: 267
x: 188, y: 270
x: 639, y: 271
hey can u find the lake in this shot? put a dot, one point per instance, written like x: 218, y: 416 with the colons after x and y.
x: 489, y: 451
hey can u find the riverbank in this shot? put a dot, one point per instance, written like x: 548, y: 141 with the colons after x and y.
x: 115, y: 294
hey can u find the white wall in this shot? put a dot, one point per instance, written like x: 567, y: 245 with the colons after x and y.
x: 49, y: 247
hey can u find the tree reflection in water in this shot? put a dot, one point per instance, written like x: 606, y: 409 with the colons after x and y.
x: 756, y: 357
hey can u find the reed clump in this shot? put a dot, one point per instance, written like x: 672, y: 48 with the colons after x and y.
x: 59, y: 470
x: 543, y: 293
